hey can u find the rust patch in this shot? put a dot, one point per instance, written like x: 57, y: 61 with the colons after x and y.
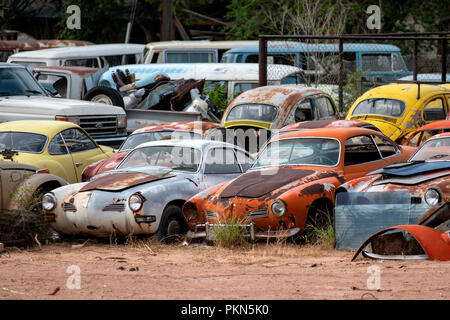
x: 313, y: 189
x: 121, y: 181
x: 253, y: 184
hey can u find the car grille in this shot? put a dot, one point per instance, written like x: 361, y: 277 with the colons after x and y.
x: 258, y: 214
x: 118, y: 207
x: 99, y: 125
x: 69, y: 207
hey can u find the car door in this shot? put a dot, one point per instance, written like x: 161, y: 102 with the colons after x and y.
x: 220, y: 165
x: 82, y: 149
x: 434, y: 109
x: 361, y: 156
x: 63, y: 163
x: 324, y: 108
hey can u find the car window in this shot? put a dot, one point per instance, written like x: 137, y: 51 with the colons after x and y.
x: 376, y: 62
x: 57, y: 146
x: 383, y: 107
x: 434, y: 110
x: 253, y: 111
x: 174, y: 157
x: 189, y: 57
x: 396, y: 64
x: 243, y: 86
x: 303, y: 111
x: 77, y: 141
x: 325, y: 107
x: 300, y: 151
x: 22, y: 141
x: 244, y: 159
x: 89, y: 62
x: 434, y: 149
x: 18, y: 81
x: 360, y: 149
x: 386, y: 147
x: 221, y: 161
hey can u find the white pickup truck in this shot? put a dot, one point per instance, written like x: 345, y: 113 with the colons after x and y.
x: 23, y: 98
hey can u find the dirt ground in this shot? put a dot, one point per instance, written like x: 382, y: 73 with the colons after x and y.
x: 145, y: 270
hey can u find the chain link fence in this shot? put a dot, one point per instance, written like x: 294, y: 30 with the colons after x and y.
x: 346, y: 66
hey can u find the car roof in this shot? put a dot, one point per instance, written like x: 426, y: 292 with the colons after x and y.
x: 292, y: 46
x: 194, y: 143
x: 406, y: 91
x: 83, y: 51
x: 336, y: 133
x: 279, y: 95
x: 47, y: 127
x: 178, y: 126
x: 209, y: 71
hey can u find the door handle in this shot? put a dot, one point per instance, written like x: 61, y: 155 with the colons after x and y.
x: 77, y: 164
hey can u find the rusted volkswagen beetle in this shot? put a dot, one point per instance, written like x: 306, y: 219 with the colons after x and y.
x: 172, y: 130
x: 293, y: 181
x: 273, y: 107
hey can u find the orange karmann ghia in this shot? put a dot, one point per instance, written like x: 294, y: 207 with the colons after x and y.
x: 294, y: 178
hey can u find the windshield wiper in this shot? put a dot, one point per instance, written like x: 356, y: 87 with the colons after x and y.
x: 5, y: 93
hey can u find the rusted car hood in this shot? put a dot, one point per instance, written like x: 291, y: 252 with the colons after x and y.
x: 258, y: 182
x: 121, y: 180
x: 110, y: 163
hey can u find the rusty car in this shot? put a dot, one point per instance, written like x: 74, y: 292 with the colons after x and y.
x: 425, y: 175
x: 158, y: 131
x: 398, y: 194
x: 145, y: 194
x: 273, y: 107
x: 400, y: 109
x: 292, y: 182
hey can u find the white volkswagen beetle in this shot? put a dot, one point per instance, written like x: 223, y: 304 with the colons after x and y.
x: 144, y: 195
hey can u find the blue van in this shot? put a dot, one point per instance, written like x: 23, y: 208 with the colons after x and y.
x: 375, y: 60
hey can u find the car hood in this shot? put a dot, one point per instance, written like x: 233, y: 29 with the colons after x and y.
x: 258, y: 182
x: 56, y: 106
x: 119, y: 180
x: 103, y: 165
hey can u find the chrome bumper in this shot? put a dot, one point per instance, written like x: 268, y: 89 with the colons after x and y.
x: 208, y: 233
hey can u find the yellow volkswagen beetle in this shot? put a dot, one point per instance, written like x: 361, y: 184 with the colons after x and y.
x: 399, y: 109
x: 61, y: 148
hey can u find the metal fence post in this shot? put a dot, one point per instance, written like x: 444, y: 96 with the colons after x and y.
x: 416, y: 50
x: 444, y: 60
x: 341, y: 75
x: 262, y: 61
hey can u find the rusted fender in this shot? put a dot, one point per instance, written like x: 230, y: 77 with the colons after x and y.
x: 435, y: 243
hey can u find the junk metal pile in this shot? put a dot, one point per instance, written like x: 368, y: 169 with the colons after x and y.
x: 381, y: 176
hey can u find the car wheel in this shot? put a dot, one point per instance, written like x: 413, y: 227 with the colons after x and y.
x: 320, y: 217
x: 105, y: 95
x: 172, y: 224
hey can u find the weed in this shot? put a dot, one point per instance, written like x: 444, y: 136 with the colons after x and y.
x: 230, y: 232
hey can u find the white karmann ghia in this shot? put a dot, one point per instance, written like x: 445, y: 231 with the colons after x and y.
x: 144, y: 195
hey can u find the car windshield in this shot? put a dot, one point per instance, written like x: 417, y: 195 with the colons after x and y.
x: 383, y: 107
x: 253, y: 111
x: 18, y: 82
x: 300, y: 151
x: 176, y: 158
x: 23, y: 141
x: 138, y: 138
x: 434, y: 149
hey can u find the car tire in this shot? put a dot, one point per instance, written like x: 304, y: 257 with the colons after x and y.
x: 172, y: 224
x: 105, y: 95
x: 320, y: 214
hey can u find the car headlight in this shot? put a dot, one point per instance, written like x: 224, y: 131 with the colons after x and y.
x: 121, y: 122
x: 135, y: 202
x: 48, y: 202
x: 432, y: 197
x: 68, y: 119
x: 278, y: 208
